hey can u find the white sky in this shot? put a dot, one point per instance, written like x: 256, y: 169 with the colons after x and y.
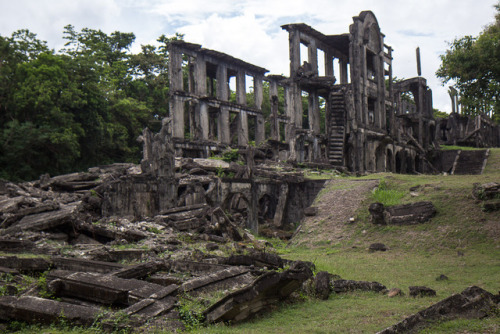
x: 250, y: 30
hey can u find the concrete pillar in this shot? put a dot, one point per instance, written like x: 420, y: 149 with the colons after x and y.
x: 313, y: 111
x: 343, y: 71
x: 260, y: 132
x: 176, y: 105
x: 312, y: 55
x: 329, y: 72
x: 223, y: 126
x: 258, y: 92
x: 175, y: 69
x: 273, y: 91
x: 243, y: 128
x: 204, y: 126
x: 200, y: 77
x: 241, y: 97
x: 222, y: 83
x: 294, y: 45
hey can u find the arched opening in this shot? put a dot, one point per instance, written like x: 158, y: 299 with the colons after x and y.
x: 388, y: 162
x: 410, y: 164
x: 380, y: 157
x: 399, y: 162
x: 237, y: 205
x: 267, y: 207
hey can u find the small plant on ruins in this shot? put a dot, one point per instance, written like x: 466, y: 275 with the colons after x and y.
x: 230, y: 155
x: 191, y: 312
x: 383, y: 194
x: 42, y: 286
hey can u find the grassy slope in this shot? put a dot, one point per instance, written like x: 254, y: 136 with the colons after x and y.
x: 417, y: 255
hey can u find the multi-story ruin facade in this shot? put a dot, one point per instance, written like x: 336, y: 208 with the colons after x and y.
x: 352, y: 116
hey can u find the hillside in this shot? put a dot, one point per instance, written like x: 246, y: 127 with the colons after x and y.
x: 461, y: 242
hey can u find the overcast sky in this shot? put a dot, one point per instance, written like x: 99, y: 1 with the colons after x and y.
x: 250, y: 30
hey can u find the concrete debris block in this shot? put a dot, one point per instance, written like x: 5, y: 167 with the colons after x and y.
x: 84, y: 265
x: 70, y: 182
x: 263, y: 292
x: 104, y: 289
x: 377, y: 213
x: 405, y: 214
x: 486, y: 191
x: 394, y: 292
x: 223, y: 279
x: 45, y: 220
x: 15, y: 245
x: 491, y: 205
x: 343, y: 285
x: 140, y: 270
x: 473, y: 302
x: 413, y: 213
x: 421, y: 291
x: 39, y: 310
x: 257, y: 259
x: 322, y: 285
x: 377, y: 247
x: 33, y: 264
x: 311, y: 211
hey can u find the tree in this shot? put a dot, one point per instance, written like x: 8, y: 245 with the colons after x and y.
x: 473, y: 63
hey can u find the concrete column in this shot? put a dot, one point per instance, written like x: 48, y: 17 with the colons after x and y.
x: 260, y: 132
x: 273, y: 91
x: 343, y: 71
x: 223, y: 126
x: 312, y: 55
x: 241, y: 97
x: 313, y: 111
x: 258, y: 92
x: 297, y: 106
x: 177, y: 111
x: 200, y: 77
x: 294, y: 45
x: 329, y: 65
x: 175, y: 69
x: 204, y: 126
x: 243, y: 129
x: 222, y: 83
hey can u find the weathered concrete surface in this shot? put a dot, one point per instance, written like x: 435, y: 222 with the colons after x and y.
x: 39, y: 310
x: 473, y: 302
x: 264, y: 291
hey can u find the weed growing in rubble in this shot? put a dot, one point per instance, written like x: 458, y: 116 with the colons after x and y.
x: 383, y: 194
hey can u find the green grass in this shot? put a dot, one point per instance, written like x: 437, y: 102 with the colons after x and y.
x: 454, y: 147
x: 417, y: 255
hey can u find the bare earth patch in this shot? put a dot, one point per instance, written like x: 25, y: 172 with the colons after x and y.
x: 337, y: 203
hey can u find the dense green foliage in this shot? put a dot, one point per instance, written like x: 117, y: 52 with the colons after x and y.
x: 474, y: 64
x: 82, y: 106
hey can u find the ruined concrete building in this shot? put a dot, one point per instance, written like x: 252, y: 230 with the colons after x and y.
x: 356, y: 118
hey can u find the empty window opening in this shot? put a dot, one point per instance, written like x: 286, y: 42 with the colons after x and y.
x: 252, y: 129
x: 232, y: 88
x: 213, y: 120
x: 249, y: 83
x: 322, y: 114
x: 321, y: 63
x: 282, y: 126
x: 188, y: 120
x: 370, y: 65
x: 371, y: 110
x: 303, y: 53
x: 305, y: 110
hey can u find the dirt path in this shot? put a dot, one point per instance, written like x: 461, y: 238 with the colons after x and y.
x: 337, y: 204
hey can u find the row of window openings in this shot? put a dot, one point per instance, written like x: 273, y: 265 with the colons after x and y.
x: 213, y: 127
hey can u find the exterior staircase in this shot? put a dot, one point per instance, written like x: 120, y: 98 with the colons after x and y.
x: 337, y: 128
x: 470, y: 162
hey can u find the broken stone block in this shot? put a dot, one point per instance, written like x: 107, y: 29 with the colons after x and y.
x: 377, y: 247
x: 72, y: 264
x: 486, y: 191
x: 343, y: 285
x: 139, y: 271
x: 491, y: 205
x: 394, y: 292
x: 311, y: 211
x: 408, y: 214
x: 473, y: 302
x: 263, y: 292
x: 322, y: 285
x: 224, y: 279
x: 377, y: 213
x: 257, y: 259
x: 15, y: 245
x: 39, y: 310
x: 45, y: 220
x: 35, y: 264
x: 421, y: 291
